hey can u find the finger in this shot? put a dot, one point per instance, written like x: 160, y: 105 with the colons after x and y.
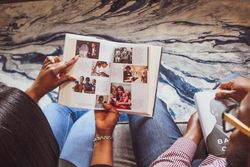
x: 46, y: 60
x: 57, y: 59
x: 51, y: 60
x: 222, y: 94
x: 112, y: 113
x: 65, y: 78
x: 65, y: 66
x: 107, y: 106
x: 110, y: 108
x: 226, y: 85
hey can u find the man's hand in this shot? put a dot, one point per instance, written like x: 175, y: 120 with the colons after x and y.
x: 236, y: 89
x: 106, y: 120
x: 52, y: 74
x: 194, y: 129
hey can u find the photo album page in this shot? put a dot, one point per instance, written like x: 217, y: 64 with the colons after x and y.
x: 106, y: 72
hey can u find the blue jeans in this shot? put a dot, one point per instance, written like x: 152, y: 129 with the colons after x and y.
x: 74, y: 130
x: 152, y: 136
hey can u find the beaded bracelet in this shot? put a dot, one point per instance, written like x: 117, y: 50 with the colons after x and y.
x: 99, y: 138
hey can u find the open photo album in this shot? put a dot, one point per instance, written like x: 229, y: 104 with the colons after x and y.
x: 122, y: 74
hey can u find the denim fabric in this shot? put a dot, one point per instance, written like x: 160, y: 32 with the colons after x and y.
x: 74, y: 130
x: 152, y: 136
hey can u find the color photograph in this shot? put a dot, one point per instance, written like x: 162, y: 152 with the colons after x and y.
x: 137, y: 74
x: 85, y: 85
x: 100, y: 68
x: 120, y: 96
x: 87, y: 49
x: 100, y: 99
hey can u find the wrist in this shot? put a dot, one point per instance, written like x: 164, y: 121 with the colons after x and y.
x: 103, y: 133
x: 103, y: 138
x: 193, y: 136
x: 33, y: 93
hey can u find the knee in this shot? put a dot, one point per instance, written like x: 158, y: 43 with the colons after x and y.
x: 160, y: 103
x: 52, y: 107
x: 55, y: 108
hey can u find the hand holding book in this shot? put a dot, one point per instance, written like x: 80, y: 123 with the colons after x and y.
x: 194, y: 129
x: 52, y: 74
x: 236, y: 89
x: 105, y: 124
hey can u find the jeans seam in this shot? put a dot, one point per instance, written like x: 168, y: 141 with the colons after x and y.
x: 66, y: 134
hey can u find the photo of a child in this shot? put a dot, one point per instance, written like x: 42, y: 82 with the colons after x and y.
x: 100, y: 99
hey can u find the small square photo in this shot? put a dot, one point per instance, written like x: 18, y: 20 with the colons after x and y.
x: 100, y: 68
x: 136, y: 74
x: 88, y: 49
x: 123, y: 55
x: 120, y: 96
x: 100, y: 99
x: 85, y: 85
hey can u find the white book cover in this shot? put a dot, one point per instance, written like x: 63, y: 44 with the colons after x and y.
x: 210, y: 114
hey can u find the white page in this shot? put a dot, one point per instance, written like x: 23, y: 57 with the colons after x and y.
x: 128, y: 72
x: 153, y: 72
x: 93, y: 65
x: 86, y: 66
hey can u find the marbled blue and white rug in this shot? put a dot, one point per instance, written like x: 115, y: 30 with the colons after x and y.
x: 202, y: 40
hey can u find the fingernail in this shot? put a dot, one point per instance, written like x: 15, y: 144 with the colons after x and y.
x: 76, y: 57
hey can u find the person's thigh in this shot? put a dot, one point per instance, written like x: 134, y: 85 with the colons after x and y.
x: 79, y: 143
x: 152, y: 136
x: 61, y: 119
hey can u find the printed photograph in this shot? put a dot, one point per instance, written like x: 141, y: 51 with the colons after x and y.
x: 85, y: 85
x: 120, y: 96
x: 137, y: 74
x: 123, y: 55
x: 87, y: 49
x: 100, y: 99
x: 100, y: 68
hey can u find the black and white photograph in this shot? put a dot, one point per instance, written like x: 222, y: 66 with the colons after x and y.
x: 87, y: 49
x: 123, y: 55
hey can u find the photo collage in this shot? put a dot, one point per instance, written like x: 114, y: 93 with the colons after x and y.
x: 96, y: 73
x: 120, y: 91
x: 88, y: 51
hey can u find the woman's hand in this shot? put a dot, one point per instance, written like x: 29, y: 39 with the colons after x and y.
x: 236, y: 89
x: 194, y: 129
x: 105, y: 124
x: 52, y: 74
x: 106, y: 120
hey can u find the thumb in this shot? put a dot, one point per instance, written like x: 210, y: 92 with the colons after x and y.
x: 113, y: 114
x: 222, y: 94
x: 226, y: 85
